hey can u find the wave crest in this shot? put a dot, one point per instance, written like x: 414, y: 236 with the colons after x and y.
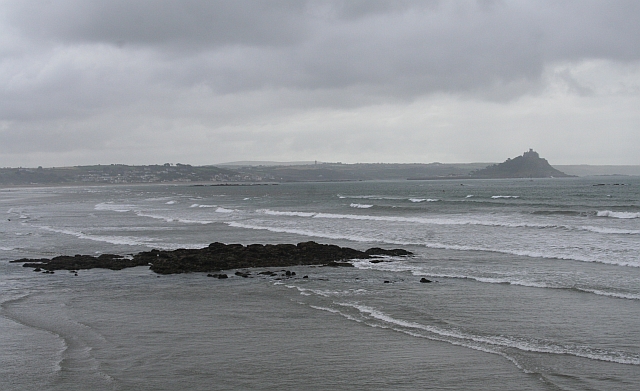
x: 618, y: 215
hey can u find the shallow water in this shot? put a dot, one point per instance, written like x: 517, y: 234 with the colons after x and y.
x: 536, y: 286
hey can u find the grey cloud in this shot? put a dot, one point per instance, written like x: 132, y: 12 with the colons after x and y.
x: 398, y: 48
x: 190, y: 23
x: 106, y: 69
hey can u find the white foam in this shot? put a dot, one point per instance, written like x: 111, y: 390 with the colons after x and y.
x: 618, y: 215
x: 417, y: 199
x: 469, y: 196
x: 361, y: 206
x: 304, y: 232
x: 608, y: 230
x: 327, y: 293
x: 430, y: 337
x: 173, y: 219
x: 532, y: 254
x: 370, y: 197
x: 488, y: 280
x: 7, y: 248
x: 504, y: 196
x: 628, y: 296
x: 170, y: 202
x: 419, y: 220
x: 333, y: 311
x: 113, y: 207
x: 279, y: 213
x: 224, y: 210
x: 120, y: 240
x: 446, y: 221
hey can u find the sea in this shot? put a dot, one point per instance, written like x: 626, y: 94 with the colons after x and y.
x: 535, y: 285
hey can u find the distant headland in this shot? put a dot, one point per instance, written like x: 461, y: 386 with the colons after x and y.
x: 529, y: 165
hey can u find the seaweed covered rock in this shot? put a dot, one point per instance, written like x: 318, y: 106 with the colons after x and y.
x: 217, y: 256
x: 77, y: 262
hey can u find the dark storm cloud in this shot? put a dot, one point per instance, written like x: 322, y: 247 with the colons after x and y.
x: 161, y: 22
x: 399, y: 48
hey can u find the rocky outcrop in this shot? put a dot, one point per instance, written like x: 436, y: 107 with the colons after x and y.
x: 216, y: 257
x: 529, y: 165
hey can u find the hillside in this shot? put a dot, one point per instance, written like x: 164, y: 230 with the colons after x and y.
x: 116, y: 173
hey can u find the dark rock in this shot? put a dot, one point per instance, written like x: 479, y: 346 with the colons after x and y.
x: 77, y: 262
x: 37, y: 269
x: 387, y: 281
x: 397, y: 252
x: 338, y: 264
x: 424, y: 280
x: 305, y: 277
x: 216, y: 257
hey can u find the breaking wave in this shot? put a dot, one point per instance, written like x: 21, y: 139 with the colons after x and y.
x: 172, y: 219
x: 304, y: 232
x: 482, y: 342
x: 445, y: 221
x: 376, y: 197
x: 113, y: 207
x: 361, y: 206
x: 119, y: 240
x: 618, y: 215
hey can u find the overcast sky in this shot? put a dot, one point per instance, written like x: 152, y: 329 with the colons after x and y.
x: 204, y: 82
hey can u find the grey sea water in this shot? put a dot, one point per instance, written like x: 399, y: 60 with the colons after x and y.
x: 536, y: 287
